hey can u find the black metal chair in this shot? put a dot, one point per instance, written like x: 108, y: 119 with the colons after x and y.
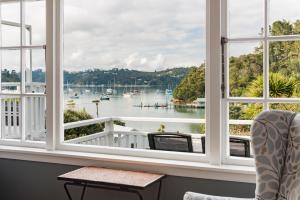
x: 238, y: 146
x: 170, y: 142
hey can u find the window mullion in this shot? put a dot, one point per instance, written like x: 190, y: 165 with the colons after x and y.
x: 23, y: 66
x: 266, y: 55
x: 59, y: 72
x: 224, y: 112
x: 214, y: 80
x: 50, y: 75
x: 1, y: 136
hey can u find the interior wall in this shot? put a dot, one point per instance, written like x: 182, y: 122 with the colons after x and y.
x: 25, y: 180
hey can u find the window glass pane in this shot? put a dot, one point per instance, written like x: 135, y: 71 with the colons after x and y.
x: 284, y: 17
x: 246, y: 69
x: 245, y: 15
x: 240, y: 119
x: 10, y: 117
x: 35, y: 20
x: 284, y: 69
x: 35, y: 124
x: 35, y: 71
x: 10, y: 29
x: 10, y: 71
x: 294, y: 107
x: 135, y: 59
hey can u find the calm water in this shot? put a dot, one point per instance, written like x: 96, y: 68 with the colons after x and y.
x: 118, y: 105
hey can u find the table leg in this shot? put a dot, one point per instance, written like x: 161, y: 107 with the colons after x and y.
x: 67, y: 191
x: 132, y: 191
x: 159, y: 189
x: 83, y: 192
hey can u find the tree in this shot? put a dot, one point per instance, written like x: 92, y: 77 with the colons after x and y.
x: 192, y: 86
x: 71, y: 115
x: 281, y: 28
x: 279, y: 86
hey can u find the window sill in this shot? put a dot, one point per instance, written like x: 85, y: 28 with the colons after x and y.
x: 169, y: 167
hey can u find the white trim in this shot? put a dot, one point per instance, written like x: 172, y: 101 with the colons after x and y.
x: 26, y: 143
x: 145, y: 153
x: 135, y: 119
x: 169, y: 167
x: 1, y: 135
x: 22, y: 70
x: 23, y: 47
x: 266, y: 99
x: 59, y: 84
x: 269, y: 38
x: 213, y: 108
x: 50, y: 75
x: 22, y: 95
x: 60, y: 145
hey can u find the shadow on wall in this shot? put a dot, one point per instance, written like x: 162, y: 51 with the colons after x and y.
x: 21, y: 180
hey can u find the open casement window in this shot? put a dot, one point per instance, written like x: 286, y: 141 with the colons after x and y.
x: 23, y: 71
x: 261, y: 52
x: 135, y: 68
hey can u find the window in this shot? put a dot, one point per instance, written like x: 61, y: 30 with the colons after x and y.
x: 23, y: 98
x: 262, y: 65
x: 117, y: 71
x: 135, y: 67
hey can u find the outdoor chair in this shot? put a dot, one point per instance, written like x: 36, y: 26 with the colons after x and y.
x: 275, y: 142
x: 170, y: 142
x: 238, y: 146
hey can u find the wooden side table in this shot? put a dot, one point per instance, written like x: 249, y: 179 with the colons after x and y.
x: 110, y: 179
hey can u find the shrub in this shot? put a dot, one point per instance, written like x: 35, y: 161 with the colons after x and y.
x: 71, y: 115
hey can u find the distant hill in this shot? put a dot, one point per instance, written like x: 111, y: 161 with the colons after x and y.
x: 168, y: 77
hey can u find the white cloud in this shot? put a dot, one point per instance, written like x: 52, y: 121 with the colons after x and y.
x: 143, y: 35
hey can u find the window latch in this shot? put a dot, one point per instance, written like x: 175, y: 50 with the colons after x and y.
x: 223, y: 43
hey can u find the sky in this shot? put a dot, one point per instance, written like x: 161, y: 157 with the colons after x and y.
x: 143, y: 35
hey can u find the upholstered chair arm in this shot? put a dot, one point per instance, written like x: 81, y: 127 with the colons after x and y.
x: 269, y: 141
x: 199, y: 196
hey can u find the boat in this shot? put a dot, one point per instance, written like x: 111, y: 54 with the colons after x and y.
x: 135, y: 92
x: 109, y: 91
x: 71, y: 103
x: 127, y: 95
x: 75, y: 96
x: 169, y: 92
x: 104, y: 97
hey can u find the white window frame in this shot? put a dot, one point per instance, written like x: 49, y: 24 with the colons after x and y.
x: 213, y: 155
x: 22, y: 95
x: 265, y: 100
x: 214, y: 103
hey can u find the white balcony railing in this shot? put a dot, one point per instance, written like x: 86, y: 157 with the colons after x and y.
x: 133, y: 138
x: 35, y: 126
x: 118, y: 136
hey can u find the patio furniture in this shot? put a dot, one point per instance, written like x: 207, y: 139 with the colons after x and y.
x: 239, y: 146
x: 275, y: 142
x: 170, y: 142
x: 110, y: 179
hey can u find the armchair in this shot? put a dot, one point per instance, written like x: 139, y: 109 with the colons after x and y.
x: 276, y: 146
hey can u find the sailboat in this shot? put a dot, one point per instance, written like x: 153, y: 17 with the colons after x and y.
x: 169, y: 92
x: 104, y: 97
x: 109, y: 91
x: 75, y: 96
x: 126, y: 94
